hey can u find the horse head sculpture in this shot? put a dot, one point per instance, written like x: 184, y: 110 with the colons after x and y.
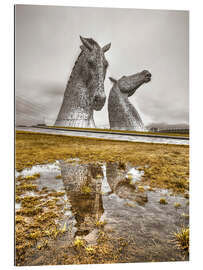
x: 85, y: 88
x: 122, y: 114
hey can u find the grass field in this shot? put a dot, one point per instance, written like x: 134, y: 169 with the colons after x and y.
x: 165, y: 166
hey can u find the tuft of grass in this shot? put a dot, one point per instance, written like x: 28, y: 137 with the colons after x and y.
x: 57, y: 193
x: 129, y: 176
x: 86, y: 189
x: 90, y: 250
x: 163, y: 201
x: 17, y: 199
x: 58, y: 176
x: 100, y: 223
x: 141, y: 189
x: 22, y: 188
x: 98, y: 176
x: 42, y: 244
x: 29, y: 212
x: 151, y: 189
x: 122, y: 166
x: 130, y: 204
x: 20, y: 219
x: 28, y: 177
x: 182, y: 238
x: 35, y: 235
x: 79, y: 242
x: 32, y: 177
x: 186, y: 216
x: 64, y: 228
x: 186, y: 195
x: 177, y: 205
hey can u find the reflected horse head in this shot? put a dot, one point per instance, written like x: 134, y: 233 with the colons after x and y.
x: 83, y: 188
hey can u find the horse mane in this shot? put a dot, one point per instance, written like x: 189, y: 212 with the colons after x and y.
x: 93, y: 43
x: 70, y: 78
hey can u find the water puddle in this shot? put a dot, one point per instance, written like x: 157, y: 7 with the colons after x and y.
x: 112, y: 197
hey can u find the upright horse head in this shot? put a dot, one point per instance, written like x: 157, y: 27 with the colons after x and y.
x: 85, y: 88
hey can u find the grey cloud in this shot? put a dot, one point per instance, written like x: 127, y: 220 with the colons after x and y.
x: 47, y: 45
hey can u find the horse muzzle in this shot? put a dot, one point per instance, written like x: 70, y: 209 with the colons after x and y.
x: 147, y: 75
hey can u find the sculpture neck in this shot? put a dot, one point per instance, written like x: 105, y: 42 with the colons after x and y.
x: 76, y: 109
x: 122, y: 114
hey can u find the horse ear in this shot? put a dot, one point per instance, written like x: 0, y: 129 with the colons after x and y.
x: 112, y: 80
x: 106, y: 47
x: 86, y: 43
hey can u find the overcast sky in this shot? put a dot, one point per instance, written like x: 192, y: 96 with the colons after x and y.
x: 47, y: 45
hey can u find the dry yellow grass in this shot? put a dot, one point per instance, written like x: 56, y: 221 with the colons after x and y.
x: 167, y: 165
x: 182, y: 238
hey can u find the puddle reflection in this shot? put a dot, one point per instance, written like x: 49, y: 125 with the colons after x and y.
x: 82, y: 183
x: 124, y: 181
x: 112, y: 194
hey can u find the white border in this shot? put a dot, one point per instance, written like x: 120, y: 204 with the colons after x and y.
x: 196, y: 71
